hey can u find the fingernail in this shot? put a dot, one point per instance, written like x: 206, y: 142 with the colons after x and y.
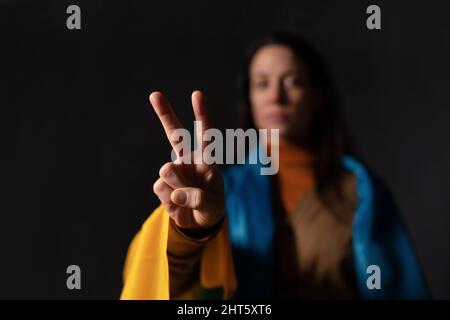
x: 170, y: 208
x: 180, y: 197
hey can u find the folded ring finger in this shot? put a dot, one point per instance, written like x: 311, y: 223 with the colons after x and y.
x: 163, y: 191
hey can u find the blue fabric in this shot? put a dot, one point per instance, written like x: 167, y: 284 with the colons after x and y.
x: 379, y: 237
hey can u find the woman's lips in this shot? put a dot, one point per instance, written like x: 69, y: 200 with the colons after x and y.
x: 276, y: 117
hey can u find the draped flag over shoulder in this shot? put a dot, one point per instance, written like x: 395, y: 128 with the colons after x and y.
x: 146, y: 273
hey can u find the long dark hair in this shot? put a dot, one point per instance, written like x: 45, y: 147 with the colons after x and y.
x: 327, y: 137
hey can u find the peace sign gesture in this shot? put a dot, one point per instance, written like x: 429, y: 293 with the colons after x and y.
x: 193, y: 194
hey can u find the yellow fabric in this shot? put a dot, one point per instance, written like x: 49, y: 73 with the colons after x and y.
x: 146, y: 272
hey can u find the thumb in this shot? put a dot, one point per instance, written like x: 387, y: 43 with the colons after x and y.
x: 193, y: 198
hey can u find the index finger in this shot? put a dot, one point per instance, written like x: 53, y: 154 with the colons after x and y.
x: 166, y: 115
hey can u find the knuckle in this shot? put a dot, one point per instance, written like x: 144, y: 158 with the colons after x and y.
x: 166, y: 169
x: 157, y: 186
x: 209, y: 175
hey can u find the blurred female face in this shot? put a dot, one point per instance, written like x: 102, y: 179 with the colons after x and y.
x: 280, y: 95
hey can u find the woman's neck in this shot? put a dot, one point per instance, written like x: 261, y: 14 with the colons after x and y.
x: 292, y: 154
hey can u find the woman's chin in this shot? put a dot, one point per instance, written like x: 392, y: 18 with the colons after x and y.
x: 283, y: 129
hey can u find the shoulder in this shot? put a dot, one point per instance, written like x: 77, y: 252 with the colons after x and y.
x: 375, y: 204
x: 239, y: 175
x: 365, y: 180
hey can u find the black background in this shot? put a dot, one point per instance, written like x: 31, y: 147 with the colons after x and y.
x: 82, y: 146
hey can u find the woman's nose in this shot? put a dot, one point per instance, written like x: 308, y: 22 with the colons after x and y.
x: 277, y: 94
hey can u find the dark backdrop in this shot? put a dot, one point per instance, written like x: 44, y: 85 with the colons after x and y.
x: 82, y: 147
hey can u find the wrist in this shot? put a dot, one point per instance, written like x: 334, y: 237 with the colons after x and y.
x: 201, y: 233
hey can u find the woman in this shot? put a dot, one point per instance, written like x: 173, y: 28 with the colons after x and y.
x: 323, y: 227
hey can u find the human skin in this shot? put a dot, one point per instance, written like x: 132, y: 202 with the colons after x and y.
x: 193, y: 194
x: 280, y: 92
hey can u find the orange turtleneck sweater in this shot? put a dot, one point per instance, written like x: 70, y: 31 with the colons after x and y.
x: 295, y: 175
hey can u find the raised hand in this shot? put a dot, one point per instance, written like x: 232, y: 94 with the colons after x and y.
x: 193, y: 194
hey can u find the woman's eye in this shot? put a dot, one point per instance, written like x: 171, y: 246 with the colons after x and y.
x: 260, y: 84
x: 292, y: 81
